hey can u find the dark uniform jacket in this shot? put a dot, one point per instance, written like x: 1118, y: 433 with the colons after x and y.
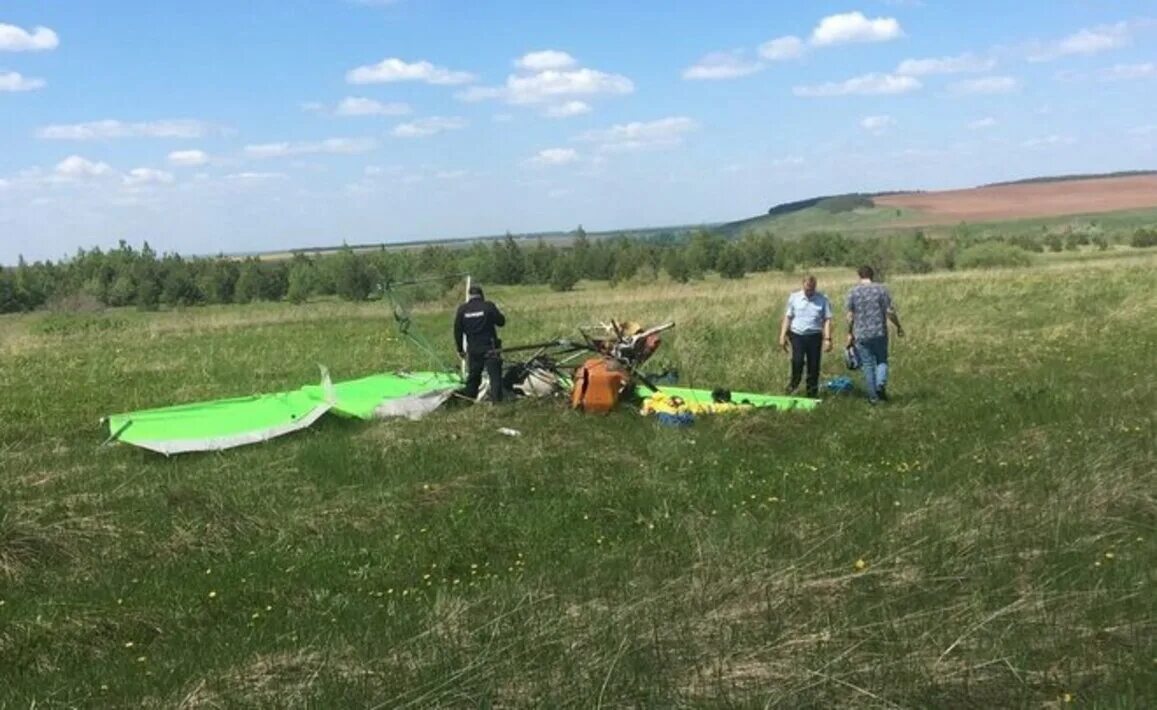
x: 478, y: 319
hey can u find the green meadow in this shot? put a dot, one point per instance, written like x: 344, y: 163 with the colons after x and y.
x: 986, y: 539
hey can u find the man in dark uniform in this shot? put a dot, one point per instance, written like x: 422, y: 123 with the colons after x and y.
x: 477, y: 320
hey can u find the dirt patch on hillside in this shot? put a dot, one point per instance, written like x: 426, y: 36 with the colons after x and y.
x: 1029, y: 200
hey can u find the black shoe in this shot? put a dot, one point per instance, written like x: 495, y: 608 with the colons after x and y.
x: 882, y: 394
x: 790, y: 390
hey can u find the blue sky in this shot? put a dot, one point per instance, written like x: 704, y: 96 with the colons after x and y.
x: 265, y: 124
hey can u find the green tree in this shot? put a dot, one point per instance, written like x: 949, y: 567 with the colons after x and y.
x: 248, y: 287
x: 823, y: 249
x: 676, y: 265
x: 28, y: 289
x: 8, y: 302
x: 509, y: 261
x: 731, y: 262
x: 122, y: 291
x: 564, y: 275
x: 353, y: 278
x: 703, y: 251
x: 626, y: 264
x: 580, y: 248
x: 217, y: 280
x: 1143, y: 238
x: 178, y: 288
x: 274, y: 280
x: 301, y: 282
x: 759, y: 251
x: 147, y: 278
x: 540, y: 263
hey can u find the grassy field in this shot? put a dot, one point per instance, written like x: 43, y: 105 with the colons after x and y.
x: 987, y: 539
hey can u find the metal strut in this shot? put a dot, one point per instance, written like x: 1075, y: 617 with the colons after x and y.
x: 404, y: 322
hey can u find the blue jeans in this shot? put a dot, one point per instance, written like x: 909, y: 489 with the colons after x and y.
x: 873, y: 354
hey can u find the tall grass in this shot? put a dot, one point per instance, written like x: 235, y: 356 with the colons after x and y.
x: 985, y: 540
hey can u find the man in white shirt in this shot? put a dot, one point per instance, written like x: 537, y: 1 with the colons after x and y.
x: 808, y: 322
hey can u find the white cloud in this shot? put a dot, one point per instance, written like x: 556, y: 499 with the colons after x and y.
x: 1049, y: 141
x: 330, y: 145
x: 451, y: 174
x: 982, y: 123
x: 854, y: 27
x: 1146, y: 130
x: 188, y: 158
x: 545, y: 60
x: 551, y: 77
x: 1085, y: 42
x: 555, y: 156
x: 252, y: 177
x: 866, y: 85
x: 360, y: 106
x: 961, y: 64
x: 722, y: 65
x: 1126, y: 72
x: 18, y: 39
x: 502, y: 118
x: 393, y: 70
x: 568, y: 109
x: 789, y: 161
x: 985, y: 85
x: 833, y: 30
x: 877, y: 124
x: 579, y: 82
x: 76, y: 167
x: 781, y: 48
x: 638, y: 135
x: 428, y: 127
x: 551, y: 85
x: 482, y: 93
x: 15, y: 81
x: 148, y: 176
x: 922, y: 153
x: 177, y: 128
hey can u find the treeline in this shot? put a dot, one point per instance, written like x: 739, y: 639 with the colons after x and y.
x: 126, y: 276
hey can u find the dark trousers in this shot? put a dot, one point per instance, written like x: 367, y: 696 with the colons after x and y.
x: 806, y: 347
x: 475, y: 362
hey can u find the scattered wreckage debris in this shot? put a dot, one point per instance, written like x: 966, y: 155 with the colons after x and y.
x: 598, y: 374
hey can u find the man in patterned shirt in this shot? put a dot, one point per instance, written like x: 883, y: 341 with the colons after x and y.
x: 869, y: 307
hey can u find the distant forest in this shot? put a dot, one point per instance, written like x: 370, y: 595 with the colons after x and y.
x: 141, y: 278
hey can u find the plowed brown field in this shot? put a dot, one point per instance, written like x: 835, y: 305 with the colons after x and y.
x: 1045, y: 199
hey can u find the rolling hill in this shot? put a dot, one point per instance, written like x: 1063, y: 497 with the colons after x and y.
x: 1122, y: 198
